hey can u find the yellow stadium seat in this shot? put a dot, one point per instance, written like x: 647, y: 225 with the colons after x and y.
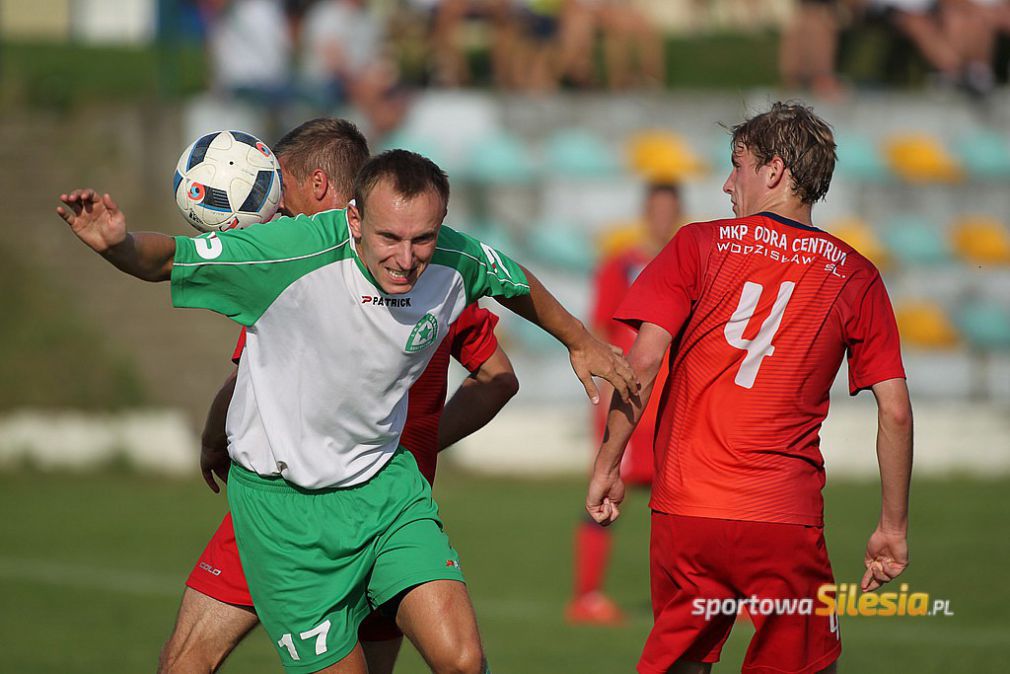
x: 981, y: 239
x: 663, y: 156
x: 858, y: 234
x: 925, y: 324
x: 919, y: 158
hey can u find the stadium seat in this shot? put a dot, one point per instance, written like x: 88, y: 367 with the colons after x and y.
x: 912, y: 241
x: 578, y: 153
x: 664, y: 156
x: 422, y: 145
x: 980, y: 239
x: 563, y: 246
x: 858, y: 234
x: 859, y: 159
x: 500, y: 158
x: 924, y: 324
x: 985, y: 325
x: 985, y: 155
x: 495, y: 234
x: 921, y: 158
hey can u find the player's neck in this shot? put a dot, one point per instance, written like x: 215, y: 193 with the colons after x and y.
x: 789, y: 208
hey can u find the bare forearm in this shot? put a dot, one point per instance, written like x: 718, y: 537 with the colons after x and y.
x: 473, y: 405
x: 542, y: 308
x: 894, y: 454
x: 146, y: 255
x: 645, y: 357
x: 215, y: 435
x: 622, y: 419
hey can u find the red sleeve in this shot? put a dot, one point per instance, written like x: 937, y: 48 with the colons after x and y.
x: 471, y: 337
x: 664, y: 291
x: 239, y: 347
x: 874, y: 347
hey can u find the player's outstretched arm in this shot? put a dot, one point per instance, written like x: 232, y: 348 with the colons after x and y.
x: 97, y: 221
x: 214, y: 459
x: 606, y: 491
x: 887, y: 550
x: 478, y: 399
x: 590, y: 357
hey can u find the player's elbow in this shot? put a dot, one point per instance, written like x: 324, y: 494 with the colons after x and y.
x: 506, y: 385
x: 897, y: 414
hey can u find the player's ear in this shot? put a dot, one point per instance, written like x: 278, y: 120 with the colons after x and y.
x: 776, y: 172
x: 320, y: 183
x: 354, y: 219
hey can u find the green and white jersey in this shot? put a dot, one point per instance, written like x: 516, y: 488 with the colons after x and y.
x: 322, y: 386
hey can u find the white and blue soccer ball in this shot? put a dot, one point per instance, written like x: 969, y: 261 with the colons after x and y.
x: 227, y: 180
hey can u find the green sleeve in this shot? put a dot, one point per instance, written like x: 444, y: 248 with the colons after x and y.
x: 240, y: 273
x: 486, y: 272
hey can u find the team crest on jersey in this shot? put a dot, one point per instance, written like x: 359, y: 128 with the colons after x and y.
x: 423, y: 335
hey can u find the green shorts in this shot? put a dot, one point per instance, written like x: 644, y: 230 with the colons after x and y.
x: 318, y: 561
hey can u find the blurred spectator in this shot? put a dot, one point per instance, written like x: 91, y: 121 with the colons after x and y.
x: 809, y: 47
x: 633, y: 47
x: 955, y: 37
x: 250, y: 49
x: 343, y: 62
x: 563, y: 35
x: 618, y: 268
x: 446, y: 19
x: 545, y: 49
x: 970, y: 27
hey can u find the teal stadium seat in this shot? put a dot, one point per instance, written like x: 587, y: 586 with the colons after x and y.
x: 500, y: 158
x: 860, y: 159
x: 495, y: 234
x: 579, y: 153
x: 985, y: 155
x: 985, y: 325
x: 914, y: 242
x: 562, y: 246
x: 423, y: 146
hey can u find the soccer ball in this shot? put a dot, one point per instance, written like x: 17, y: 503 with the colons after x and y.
x: 227, y: 180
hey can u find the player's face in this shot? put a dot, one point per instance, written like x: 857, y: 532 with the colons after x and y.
x: 296, y: 198
x: 746, y: 185
x: 662, y: 214
x: 396, y: 237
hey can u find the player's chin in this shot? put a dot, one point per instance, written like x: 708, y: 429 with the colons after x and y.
x: 398, y: 285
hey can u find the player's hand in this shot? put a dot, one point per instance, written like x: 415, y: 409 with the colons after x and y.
x: 94, y: 218
x: 214, y: 461
x: 886, y: 557
x: 592, y: 357
x: 606, y: 493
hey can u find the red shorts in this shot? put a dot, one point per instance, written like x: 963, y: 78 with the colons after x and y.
x: 698, y: 562
x: 218, y: 574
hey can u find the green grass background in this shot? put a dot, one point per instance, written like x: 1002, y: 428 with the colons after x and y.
x: 91, y: 568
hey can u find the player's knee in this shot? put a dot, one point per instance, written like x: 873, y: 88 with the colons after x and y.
x: 180, y: 656
x: 467, y: 659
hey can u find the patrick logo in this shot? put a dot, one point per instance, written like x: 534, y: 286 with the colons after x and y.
x: 423, y: 335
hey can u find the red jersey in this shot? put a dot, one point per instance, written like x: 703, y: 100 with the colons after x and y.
x: 471, y: 341
x: 762, y: 310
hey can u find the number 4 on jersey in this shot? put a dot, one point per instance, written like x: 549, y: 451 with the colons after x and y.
x: 760, y: 347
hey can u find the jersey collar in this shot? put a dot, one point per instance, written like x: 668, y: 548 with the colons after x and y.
x: 788, y: 222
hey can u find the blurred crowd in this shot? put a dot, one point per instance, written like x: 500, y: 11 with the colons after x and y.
x: 357, y: 53
x: 957, y: 39
x: 329, y: 53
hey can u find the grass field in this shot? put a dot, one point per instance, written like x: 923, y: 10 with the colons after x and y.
x: 91, y: 568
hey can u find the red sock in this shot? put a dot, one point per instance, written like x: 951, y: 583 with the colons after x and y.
x: 592, y: 550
